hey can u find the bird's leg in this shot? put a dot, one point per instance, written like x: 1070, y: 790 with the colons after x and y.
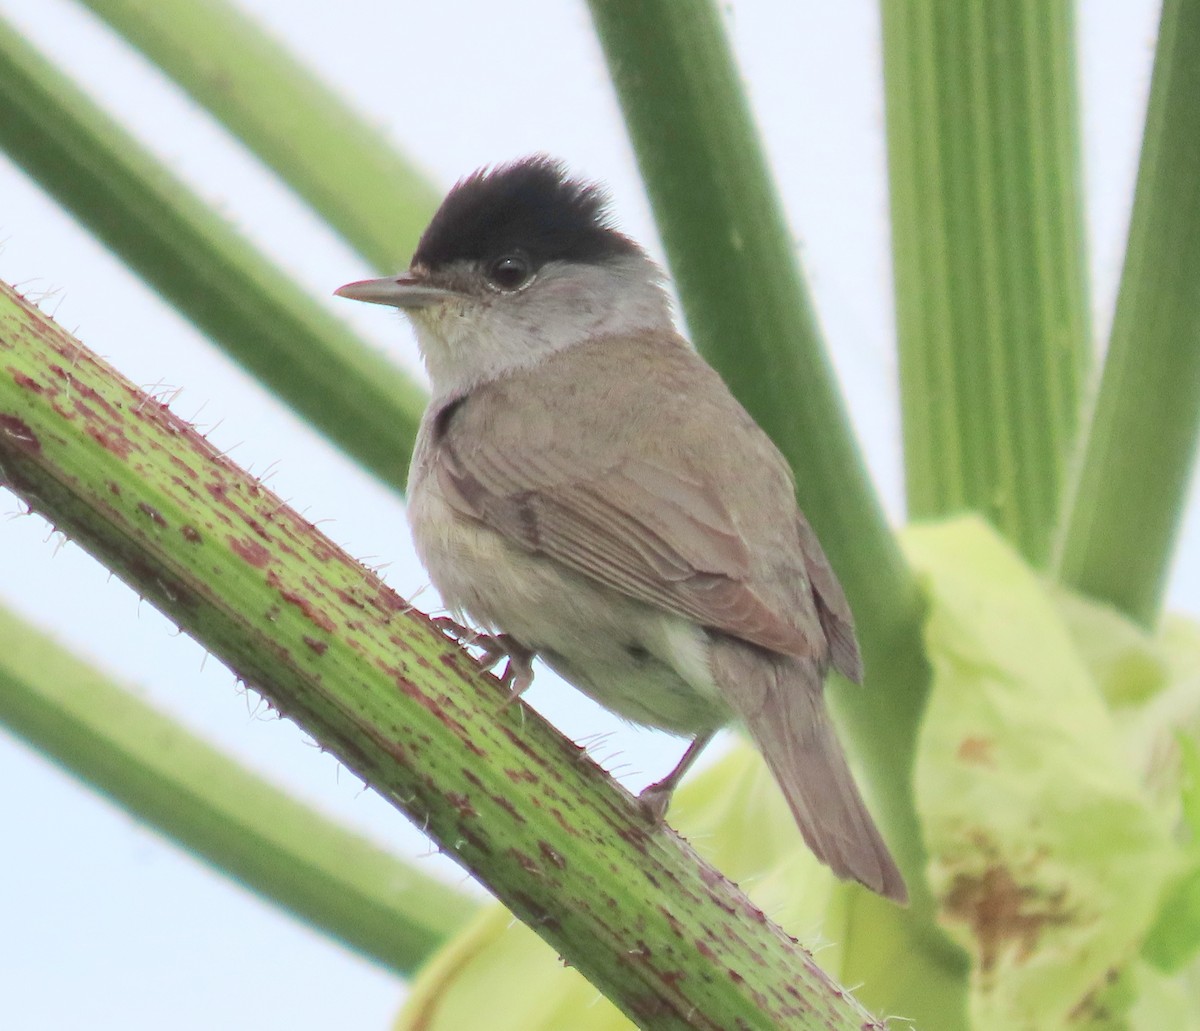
x: 518, y: 674
x: 655, y: 799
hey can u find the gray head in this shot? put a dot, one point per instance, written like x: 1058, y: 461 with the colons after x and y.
x: 520, y: 260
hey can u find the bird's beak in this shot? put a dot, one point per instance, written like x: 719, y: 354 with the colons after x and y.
x: 407, y: 290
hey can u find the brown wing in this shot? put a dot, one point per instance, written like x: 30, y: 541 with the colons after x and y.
x: 833, y: 609
x: 641, y: 530
x: 629, y: 510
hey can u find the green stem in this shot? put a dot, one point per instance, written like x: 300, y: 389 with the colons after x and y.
x: 1125, y: 515
x: 333, y: 648
x: 353, y: 394
x: 988, y: 246
x: 735, y: 265
x: 205, y: 802
x: 322, y: 148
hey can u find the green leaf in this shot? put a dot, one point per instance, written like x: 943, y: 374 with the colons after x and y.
x: 1127, y: 662
x: 1137, y: 998
x: 477, y: 974
x: 1175, y: 937
x: 1152, y: 685
x: 1159, y: 1002
x: 1048, y: 855
x: 1190, y: 793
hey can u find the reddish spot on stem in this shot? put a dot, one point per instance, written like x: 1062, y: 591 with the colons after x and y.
x: 526, y: 862
x: 676, y: 926
x: 517, y: 776
x: 191, y: 534
x: 635, y: 836
x: 252, y: 552
x: 258, y: 528
x: 19, y: 433
x: 649, y: 1008
x: 507, y: 805
x: 389, y: 601
x: 320, y: 647
x: 25, y: 382
x: 462, y: 804
x: 114, y: 442
x: 82, y: 392
x: 321, y: 551
x: 552, y: 856
x: 184, y: 467
x: 536, y: 913
x: 310, y: 611
x: 151, y: 513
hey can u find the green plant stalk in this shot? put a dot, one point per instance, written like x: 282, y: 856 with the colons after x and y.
x: 1132, y: 490
x: 989, y: 257
x: 748, y: 311
x: 248, y: 829
x: 331, y: 647
x: 352, y: 393
x: 312, y: 139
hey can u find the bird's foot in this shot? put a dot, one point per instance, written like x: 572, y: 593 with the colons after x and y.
x: 518, y: 673
x: 656, y: 799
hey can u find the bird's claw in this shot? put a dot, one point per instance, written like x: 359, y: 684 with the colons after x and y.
x: 518, y: 673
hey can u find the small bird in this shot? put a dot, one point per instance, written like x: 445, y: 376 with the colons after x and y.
x: 585, y: 486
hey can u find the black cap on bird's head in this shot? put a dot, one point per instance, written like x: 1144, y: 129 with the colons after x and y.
x: 530, y: 205
x: 505, y: 223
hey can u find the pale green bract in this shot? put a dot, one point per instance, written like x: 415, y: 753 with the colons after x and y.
x: 1048, y: 783
x: 1049, y: 857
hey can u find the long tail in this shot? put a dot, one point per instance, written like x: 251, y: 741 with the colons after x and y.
x: 781, y: 701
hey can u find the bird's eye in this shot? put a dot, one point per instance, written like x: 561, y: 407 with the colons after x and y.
x: 510, y: 271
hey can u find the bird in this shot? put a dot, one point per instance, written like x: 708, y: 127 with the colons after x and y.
x: 586, y: 488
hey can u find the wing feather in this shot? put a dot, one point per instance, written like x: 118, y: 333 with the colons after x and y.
x: 677, y: 520
x: 634, y: 530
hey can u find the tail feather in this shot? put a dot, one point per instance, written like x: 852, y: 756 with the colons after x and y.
x: 781, y: 701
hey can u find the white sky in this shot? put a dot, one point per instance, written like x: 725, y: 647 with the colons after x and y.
x: 106, y: 925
